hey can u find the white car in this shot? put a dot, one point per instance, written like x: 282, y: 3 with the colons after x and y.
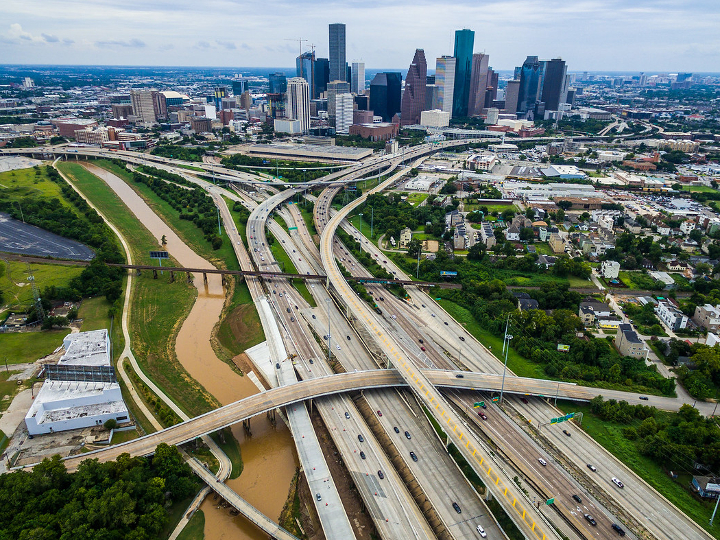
x: 617, y: 482
x: 542, y: 462
x: 481, y: 531
x: 338, y: 347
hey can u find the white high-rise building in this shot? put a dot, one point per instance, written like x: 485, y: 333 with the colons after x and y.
x: 298, y: 102
x: 343, y: 113
x: 445, y: 81
x: 357, y: 85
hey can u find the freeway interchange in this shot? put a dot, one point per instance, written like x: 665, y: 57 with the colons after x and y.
x: 443, y: 376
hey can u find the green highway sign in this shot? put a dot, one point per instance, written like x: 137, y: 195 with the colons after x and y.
x: 292, y: 228
x: 496, y: 399
x: 478, y: 404
x: 550, y: 501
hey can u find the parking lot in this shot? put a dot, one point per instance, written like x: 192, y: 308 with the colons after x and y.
x: 19, y: 237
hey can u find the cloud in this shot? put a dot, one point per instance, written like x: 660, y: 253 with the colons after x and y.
x: 229, y: 45
x: 166, y: 47
x: 67, y: 41
x: 50, y: 38
x: 203, y: 45
x: 132, y: 44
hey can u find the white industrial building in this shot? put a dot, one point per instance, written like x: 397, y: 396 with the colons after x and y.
x: 435, y: 118
x: 80, y: 391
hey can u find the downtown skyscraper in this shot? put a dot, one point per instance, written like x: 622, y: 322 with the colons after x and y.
x: 464, y: 43
x: 297, y: 105
x: 478, y: 84
x: 413, y: 99
x: 445, y: 83
x: 338, y: 60
x: 357, y: 83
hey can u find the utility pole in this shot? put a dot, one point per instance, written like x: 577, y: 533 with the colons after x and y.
x: 21, y: 212
x: 372, y: 216
x: 417, y: 274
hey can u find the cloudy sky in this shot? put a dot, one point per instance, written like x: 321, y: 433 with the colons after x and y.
x: 618, y: 35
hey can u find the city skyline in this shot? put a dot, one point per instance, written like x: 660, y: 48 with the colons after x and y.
x: 670, y: 38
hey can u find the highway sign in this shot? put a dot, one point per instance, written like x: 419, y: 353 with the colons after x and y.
x: 478, y: 404
x: 159, y: 255
x: 550, y: 501
x: 292, y: 228
x: 497, y: 398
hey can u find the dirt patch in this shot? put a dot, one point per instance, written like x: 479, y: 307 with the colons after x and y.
x: 360, y: 519
x: 243, y: 363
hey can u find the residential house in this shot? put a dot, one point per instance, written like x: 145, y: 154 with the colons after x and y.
x: 405, y: 237
x: 557, y: 244
x: 610, y: 269
x: 628, y: 343
x: 687, y: 226
x: 545, y: 233
x: 512, y: 233
x: 547, y: 261
x: 486, y: 234
x: 707, y: 316
x: 525, y: 302
x: 676, y: 266
x: 671, y: 316
x: 590, y: 311
x: 663, y: 277
x: 632, y: 226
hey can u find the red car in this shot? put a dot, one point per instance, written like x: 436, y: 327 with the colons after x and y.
x: 482, y: 415
x: 379, y: 413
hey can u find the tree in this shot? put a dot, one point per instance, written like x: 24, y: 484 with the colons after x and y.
x: 110, y: 423
x: 414, y: 248
x: 565, y: 205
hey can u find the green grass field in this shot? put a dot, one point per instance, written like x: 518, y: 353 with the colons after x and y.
x: 416, y: 198
x: 699, y: 189
x: 363, y: 225
x: 195, y: 529
x: 240, y: 328
x: 22, y: 183
x: 609, y: 435
x: 94, y: 313
x: 286, y: 265
x: 19, y: 348
x: 16, y: 287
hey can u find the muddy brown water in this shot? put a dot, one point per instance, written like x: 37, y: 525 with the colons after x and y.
x: 268, y: 454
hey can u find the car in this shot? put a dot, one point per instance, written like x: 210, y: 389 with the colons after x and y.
x: 379, y: 413
x: 618, y: 529
x: 456, y: 506
x: 314, y: 317
x: 524, y: 400
x: 577, y: 498
x: 360, y: 438
x: 481, y: 531
x: 318, y: 497
x: 288, y: 310
x: 542, y: 462
x: 362, y: 455
x: 445, y: 323
x: 644, y: 398
x: 277, y: 365
x: 380, y: 475
x: 338, y: 347
x: 421, y: 341
x: 591, y: 467
x: 393, y: 316
x: 423, y: 305
x: 413, y: 456
x: 347, y: 415
x: 274, y: 291
x: 462, y: 338
x: 422, y: 349
x: 407, y: 435
x: 432, y: 314
x: 482, y: 415
x: 348, y: 338
x: 382, y: 298
x: 325, y: 337
x: 617, y: 482
x: 280, y: 295
x: 482, y: 404
x: 566, y: 432
x: 591, y: 520
x: 396, y: 429
x: 459, y: 376
x: 292, y: 319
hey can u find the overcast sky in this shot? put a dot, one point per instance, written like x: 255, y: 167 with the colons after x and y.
x: 602, y: 35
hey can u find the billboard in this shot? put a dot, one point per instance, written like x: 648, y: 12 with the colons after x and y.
x: 447, y: 273
x: 563, y: 348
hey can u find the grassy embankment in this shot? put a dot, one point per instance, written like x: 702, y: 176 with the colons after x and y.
x: 195, y: 529
x: 610, y: 436
x: 286, y: 265
x: 158, y: 307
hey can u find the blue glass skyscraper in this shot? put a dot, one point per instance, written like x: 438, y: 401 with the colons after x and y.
x: 464, y: 43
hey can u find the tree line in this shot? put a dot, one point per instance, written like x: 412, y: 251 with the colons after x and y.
x: 127, y: 499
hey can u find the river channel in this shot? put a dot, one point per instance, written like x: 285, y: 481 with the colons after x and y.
x: 268, y: 455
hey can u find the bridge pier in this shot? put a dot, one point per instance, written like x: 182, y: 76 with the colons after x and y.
x: 172, y: 276
x: 246, y: 426
x: 189, y: 277
x: 205, y: 278
x: 154, y: 274
x: 271, y: 416
x: 139, y: 272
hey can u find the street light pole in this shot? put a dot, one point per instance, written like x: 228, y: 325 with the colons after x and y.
x: 372, y: 216
x: 329, y: 338
x: 21, y: 212
x: 508, y: 337
x: 417, y: 274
